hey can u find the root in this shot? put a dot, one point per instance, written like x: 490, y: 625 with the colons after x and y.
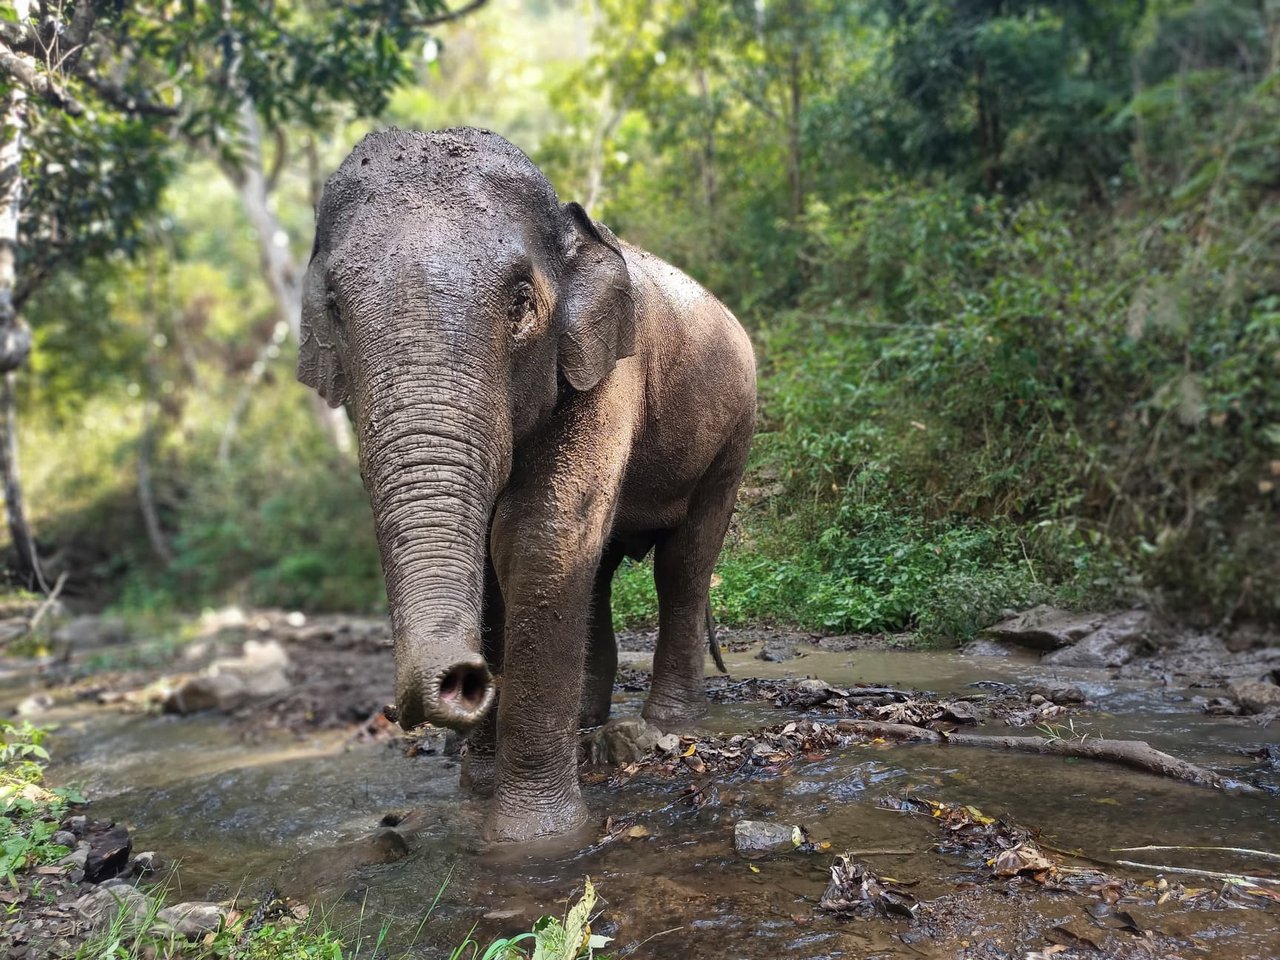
x: 1136, y: 754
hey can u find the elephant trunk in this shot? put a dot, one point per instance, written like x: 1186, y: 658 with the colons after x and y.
x: 433, y: 450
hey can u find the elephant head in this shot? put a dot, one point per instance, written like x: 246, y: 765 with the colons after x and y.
x: 451, y: 299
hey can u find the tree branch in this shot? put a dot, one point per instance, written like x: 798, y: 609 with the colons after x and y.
x: 122, y: 100
x: 22, y: 71
x: 446, y: 17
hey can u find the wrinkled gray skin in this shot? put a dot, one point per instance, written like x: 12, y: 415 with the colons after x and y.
x: 534, y: 400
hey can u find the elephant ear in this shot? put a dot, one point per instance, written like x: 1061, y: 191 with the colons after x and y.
x: 596, y: 315
x: 319, y: 365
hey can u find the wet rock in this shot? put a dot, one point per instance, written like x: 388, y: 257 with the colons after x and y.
x: 261, y: 668
x: 34, y: 704
x: 77, y: 824
x: 760, y: 836
x: 985, y: 647
x: 323, y: 867
x: 231, y: 682
x: 196, y: 694
x: 109, y: 847
x: 1255, y: 696
x: 668, y: 743
x: 1114, y: 643
x: 102, y: 906
x: 77, y: 858
x: 778, y: 651
x: 620, y: 742
x: 1045, y: 628
x: 194, y: 919
x: 148, y: 863
x: 1058, y: 692
x: 64, y: 838
x: 85, y: 632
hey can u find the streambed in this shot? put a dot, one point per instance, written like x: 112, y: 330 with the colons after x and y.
x: 247, y: 809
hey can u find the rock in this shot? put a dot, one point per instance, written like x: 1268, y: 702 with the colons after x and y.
x: 502, y: 914
x: 1037, y: 700
x: 149, y: 863
x: 1045, y: 628
x: 64, y: 838
x: 77, y: 857
x: 326, y: 866
x: 620, y: 742
x: 1114, y: 643
x: 36, y: 703
x: 1255, y: 696
x: 668, y: 743
x: 1095, y: 650
x: 194, y: 919
x: 222, y: 691
x: 778, y: 651
x: 987, y: 648
x: 109, y: 847
x: 77, y: 824
x: 1057, y: 692
x: 84, y: 632
x: 101, y: 907
x: 759, y: 836
x: 261, y: 668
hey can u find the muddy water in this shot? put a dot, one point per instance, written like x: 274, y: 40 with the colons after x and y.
x: 241, y: 816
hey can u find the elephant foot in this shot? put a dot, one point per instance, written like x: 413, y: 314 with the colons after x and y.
x: 479, y: 773
x: 620, y: 742
x: 672, y: 715
x: 520, y: 821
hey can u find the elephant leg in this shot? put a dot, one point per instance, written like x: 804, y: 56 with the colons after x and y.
x: 682, y: 567
x: 479, y: 763
x: 602, y: 652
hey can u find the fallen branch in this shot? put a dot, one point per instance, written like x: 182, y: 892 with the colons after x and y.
x: 48, y: 602
x: 1247, y: 852
x: 1137, y: 754
x: 1211, y: 874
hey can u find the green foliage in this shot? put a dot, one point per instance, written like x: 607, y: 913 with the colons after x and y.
x: 29, y: 814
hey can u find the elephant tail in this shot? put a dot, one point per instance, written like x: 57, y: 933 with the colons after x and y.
x: 712, y: 642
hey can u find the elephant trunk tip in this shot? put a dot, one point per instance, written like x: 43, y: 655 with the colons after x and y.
x: 457, y: 696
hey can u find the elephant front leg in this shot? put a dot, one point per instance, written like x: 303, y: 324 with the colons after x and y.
x: 479, y: 764
x: 537, y: 791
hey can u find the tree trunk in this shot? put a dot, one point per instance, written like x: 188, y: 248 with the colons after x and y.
x: 709, y: 162
x: 15, y: 337
x: 795, y: 159
x: 281, y: 272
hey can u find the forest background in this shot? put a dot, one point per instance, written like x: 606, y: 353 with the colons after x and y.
x: 1012, y: 270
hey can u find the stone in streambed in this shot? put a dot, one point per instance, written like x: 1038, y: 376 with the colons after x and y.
x: 778, y: 651
x: 620, y: 742
x: 1058, y: 692
x: 193, y: 920
x: 760, y: 836
x: 100, y: 908
x: 109, y: 847
x: 1045, y: 628
x: 1255, y: 696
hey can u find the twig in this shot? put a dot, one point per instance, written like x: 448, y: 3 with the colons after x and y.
x: 1211, y: 874
x: 1130, y: 753
x: 1252, y: 853
x: 47, y: 603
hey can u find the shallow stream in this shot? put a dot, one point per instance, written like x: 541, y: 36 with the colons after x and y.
x: 243, y: 814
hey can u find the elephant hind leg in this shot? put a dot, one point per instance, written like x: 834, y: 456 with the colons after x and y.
x: 682, y: 568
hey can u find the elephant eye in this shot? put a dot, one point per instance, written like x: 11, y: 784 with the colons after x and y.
x: 331, y: 306
x: 523, y: 310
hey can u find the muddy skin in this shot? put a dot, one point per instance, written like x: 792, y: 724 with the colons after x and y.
x: 533, y: 399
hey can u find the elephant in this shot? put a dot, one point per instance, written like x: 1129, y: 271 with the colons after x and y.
x: 534, y: 400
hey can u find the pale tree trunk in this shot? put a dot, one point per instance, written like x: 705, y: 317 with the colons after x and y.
x: 283, y: 276
x: 15, y: 336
